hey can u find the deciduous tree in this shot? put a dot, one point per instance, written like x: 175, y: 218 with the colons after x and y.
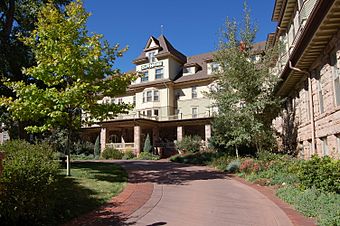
x: 72, y: 69
x: 244, y: 91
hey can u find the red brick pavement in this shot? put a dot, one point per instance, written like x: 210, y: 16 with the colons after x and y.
x: 119, y: 208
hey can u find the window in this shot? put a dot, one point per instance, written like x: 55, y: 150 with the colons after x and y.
x: 120, y: 100
x: 307, y: 101
x: 134, y: 100
x: 194, y: 112
x: 324, y: 146
x: 310, y: 146
x: 149, y: 96
x: 113, y: 100
x: 151, y: 56
x: 149, y: 113
x: 215, y: 67
x: 336, y: 78
x: 155, y: 95
x: 159, y: 73
x: 155, y: 112
x: 145, y: 77
x: 188, y: 70
x: 194, y: 92
x: 320, y: 94
x: 301, y: 150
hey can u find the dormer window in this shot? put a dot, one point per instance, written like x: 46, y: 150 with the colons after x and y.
x: 151, y: 56
x: 145, y: 77
x: 188, y: 70
x: 213, y: 68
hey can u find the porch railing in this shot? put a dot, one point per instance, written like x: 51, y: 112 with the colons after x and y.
x: 121, y: 146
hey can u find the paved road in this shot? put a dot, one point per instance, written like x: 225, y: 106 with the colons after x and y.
x: 192, y: 195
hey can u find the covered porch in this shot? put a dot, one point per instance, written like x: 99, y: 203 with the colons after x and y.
x: 126, y: 135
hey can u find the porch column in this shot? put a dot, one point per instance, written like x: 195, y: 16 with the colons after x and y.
x: 207, y: 132
x: 136, y: 139
x: 179, y: 133
x: 102, y: 139
x: 155, y: 135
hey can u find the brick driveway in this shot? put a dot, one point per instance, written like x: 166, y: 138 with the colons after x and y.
x: 164, y: 193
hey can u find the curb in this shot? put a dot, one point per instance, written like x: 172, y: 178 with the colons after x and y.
x: 296, y: 218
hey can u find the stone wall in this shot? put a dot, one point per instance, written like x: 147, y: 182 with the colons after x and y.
x: 327, y: 122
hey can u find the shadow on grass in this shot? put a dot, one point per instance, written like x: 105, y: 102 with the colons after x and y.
x: 74, y: 200
x: 103, y: 171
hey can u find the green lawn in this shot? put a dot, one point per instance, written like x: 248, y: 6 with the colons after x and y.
x: 91, y: 184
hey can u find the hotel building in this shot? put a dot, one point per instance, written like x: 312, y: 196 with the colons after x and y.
x: 309, y: 70
x: 169, y: 100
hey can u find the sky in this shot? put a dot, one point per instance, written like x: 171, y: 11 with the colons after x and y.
x: 191, y: 26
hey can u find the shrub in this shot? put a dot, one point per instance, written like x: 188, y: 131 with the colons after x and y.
x: 190, y: 144
x: 248, y: 166
x: 221, y: 162
x: 200, y: 158
x: 26, y: 184
x: 267, y: 156
x: 147, y: 156
x: 82, y: 157
x: 233, y: 166
x: 323, y: 173
x: 128, y: 154
x: 147, y: 144
x: 313, y: 203
x: 112, y: 153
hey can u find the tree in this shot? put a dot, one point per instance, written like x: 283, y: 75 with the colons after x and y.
x: 17, y: 16
x: 147, y: 144
x: 72, y: 70
x: 244, y: 90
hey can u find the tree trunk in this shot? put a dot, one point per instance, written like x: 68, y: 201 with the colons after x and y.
x: 68, y: 156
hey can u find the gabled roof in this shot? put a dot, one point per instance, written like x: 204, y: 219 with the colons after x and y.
x: 151, y: 39
x: 165, y: 50
x: 201, y: 74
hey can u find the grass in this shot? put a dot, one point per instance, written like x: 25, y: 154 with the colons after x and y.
x: 90, y: 185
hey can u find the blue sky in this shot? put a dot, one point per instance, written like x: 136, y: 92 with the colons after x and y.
x: 192, y: 26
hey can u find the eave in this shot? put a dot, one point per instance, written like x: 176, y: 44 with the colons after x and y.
x: 320, y: 28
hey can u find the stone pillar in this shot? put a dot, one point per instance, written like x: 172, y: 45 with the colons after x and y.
x: 179, y: 133
x: 207, y: 132
x: 155, y: 135
x: 102, y: 139
x: 136, y: 139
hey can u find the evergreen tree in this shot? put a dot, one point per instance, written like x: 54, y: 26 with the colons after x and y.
x: 97, y: 148
x: 147, y: 144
